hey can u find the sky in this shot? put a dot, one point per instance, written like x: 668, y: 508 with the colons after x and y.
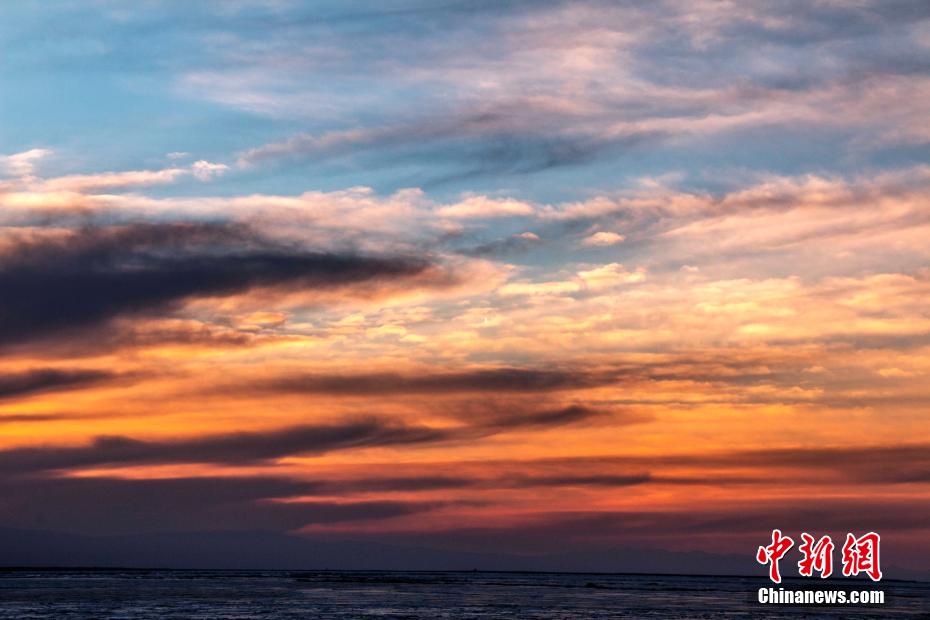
x: 526, y: 277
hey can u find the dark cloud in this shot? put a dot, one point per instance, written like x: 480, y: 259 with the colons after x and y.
x: 529, y: 379
x: 90, y: 276
x: 739, y: 525
x: 37, y: 381
x: 852, y: 342
x: 98, y: 505
x: 428, y: 482
x: 514, y: 244
x: 889, y: 464
x: 490, y: 380
x: 511, y: 138
x: 107, y: 505
x: 872, y: 464
x: 581, y: 478
x: 234, y: 448
x: 592, y: 480
x: 509, y: 416
x: 529, y: 153
x: 27, y: 418
x: 425, y: 482
x: 128, y: 333
x: 243, y: 448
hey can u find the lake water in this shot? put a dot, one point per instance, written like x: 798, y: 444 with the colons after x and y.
x: 145, y: 594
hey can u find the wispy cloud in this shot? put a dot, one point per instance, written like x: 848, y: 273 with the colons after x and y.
x: 42, y: 380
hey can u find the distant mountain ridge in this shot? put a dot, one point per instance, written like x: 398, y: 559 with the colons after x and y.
x: 271, y: 550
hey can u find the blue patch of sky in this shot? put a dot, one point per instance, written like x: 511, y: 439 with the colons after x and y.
x: 101, y: 84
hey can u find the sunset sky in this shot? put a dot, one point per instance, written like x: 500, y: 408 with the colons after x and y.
x: 527, y: 277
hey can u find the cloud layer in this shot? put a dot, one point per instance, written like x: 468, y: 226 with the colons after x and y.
x: 548, y: 277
